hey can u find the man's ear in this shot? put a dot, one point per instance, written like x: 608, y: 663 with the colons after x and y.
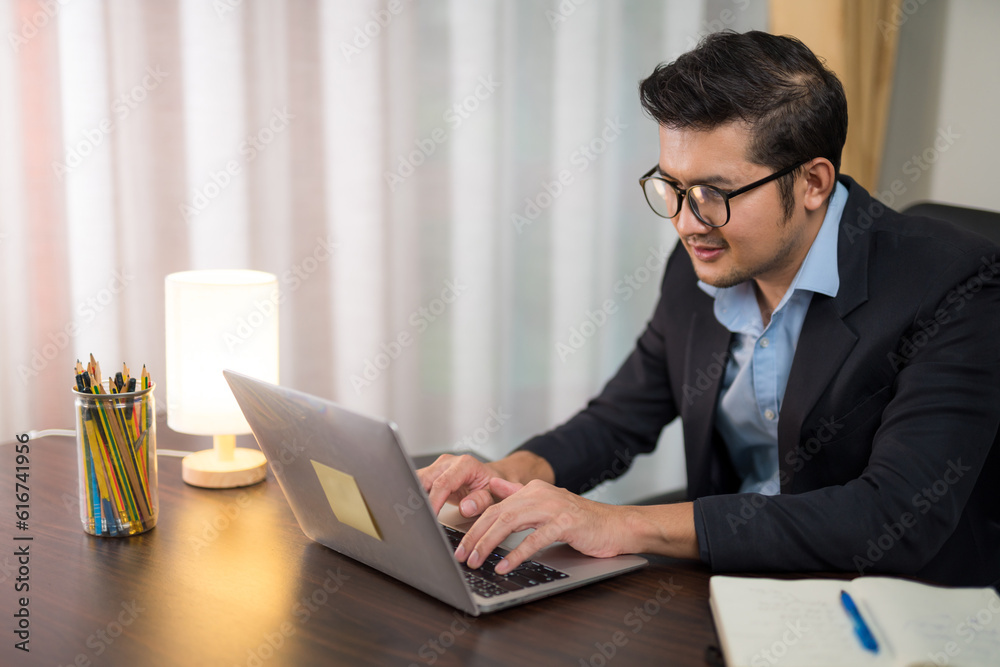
x: 820, y: 179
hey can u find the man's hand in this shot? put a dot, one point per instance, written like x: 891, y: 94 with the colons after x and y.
x: 465, y: 480
x: 556, y: 515
x: 516, y: 493
x: 592, y: 528
x: 460, y: 480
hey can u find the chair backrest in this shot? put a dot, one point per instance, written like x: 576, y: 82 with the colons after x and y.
x: 986, y: 223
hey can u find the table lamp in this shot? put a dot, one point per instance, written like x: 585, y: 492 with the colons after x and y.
x: 215, y: 320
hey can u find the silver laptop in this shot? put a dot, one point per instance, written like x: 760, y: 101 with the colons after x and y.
x: 353, y: 489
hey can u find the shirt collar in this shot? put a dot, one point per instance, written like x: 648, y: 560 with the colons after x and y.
x: 819, y: 272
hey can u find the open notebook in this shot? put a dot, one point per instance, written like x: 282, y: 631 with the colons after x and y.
x: 764, y: 622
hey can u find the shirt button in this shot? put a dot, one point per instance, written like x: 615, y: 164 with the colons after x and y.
x: 769, y: 414
x: 764, y: 342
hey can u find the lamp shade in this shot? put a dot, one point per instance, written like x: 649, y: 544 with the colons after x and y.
x: 215, y: 320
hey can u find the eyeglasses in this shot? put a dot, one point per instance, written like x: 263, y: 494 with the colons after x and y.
x: 707, y: 202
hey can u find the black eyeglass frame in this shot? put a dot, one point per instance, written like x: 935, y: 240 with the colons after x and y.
x: 726, y: 196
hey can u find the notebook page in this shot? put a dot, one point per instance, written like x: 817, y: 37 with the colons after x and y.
x: 935, y: 625
x: 781, y: 622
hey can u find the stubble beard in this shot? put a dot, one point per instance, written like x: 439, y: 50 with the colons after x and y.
x: 741, y: 274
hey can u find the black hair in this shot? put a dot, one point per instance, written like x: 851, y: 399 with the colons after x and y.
x: 793, y: 104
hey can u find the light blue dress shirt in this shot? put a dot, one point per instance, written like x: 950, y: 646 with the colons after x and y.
x: 760, y: 357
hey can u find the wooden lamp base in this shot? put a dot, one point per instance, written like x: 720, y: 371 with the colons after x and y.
x: 225, y: 466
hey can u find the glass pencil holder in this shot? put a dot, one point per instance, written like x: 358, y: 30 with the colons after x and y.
x: 116, y: 452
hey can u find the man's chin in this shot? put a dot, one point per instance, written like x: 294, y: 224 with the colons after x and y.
x: 721, y: 279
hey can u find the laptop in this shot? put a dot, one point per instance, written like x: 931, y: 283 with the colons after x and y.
x: 353, y: 489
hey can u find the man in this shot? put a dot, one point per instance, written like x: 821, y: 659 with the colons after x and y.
x: 836, y: 365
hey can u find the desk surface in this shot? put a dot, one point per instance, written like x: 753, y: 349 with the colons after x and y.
x: 227, y: 578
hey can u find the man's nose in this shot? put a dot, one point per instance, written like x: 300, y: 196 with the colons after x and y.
x: 687, y: 223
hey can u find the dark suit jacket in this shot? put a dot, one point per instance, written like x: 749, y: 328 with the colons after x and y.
x: 887, y: 436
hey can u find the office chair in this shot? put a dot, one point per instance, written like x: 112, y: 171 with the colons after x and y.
x: 983, y: 222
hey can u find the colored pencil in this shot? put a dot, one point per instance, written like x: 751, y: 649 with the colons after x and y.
x: 114, y: 446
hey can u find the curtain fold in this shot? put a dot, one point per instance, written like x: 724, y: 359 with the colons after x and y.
x: 871, y: 63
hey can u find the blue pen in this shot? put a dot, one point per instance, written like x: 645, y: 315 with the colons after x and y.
x: 861, y: 628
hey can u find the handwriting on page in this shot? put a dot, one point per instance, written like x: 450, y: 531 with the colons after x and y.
x: 959, y: 638
x: 806, y: 627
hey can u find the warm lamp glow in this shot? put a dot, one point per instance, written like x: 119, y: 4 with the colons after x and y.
x: 215, y: 320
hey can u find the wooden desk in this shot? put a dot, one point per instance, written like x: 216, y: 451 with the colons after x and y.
x: 227, y: 578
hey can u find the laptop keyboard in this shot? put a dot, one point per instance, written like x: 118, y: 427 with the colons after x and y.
x: 486, y: 582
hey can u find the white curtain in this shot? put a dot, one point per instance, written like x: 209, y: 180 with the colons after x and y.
x: 446, y: 191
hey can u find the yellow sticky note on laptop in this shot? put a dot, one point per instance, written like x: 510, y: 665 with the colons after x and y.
x: 345, y: 499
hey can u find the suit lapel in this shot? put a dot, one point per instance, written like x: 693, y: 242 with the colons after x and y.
x: 706, y: 358
x: 823, y: 346
x: 826, y: 340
